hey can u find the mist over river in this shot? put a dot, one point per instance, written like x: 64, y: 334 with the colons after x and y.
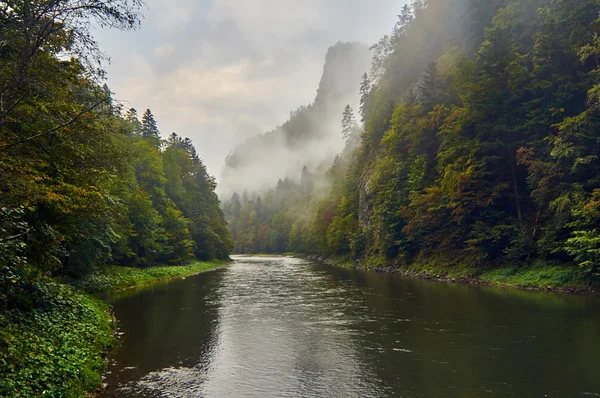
x: 286, y: 327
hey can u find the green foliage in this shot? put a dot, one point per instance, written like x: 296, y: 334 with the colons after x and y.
x: 584, y: 245
x: 54, y: 349
x: 83, y: 185
x: 149, y: 128
x: 538, y: 276
x: 480, y: 144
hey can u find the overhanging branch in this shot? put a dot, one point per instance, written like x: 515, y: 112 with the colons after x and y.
x: 52, y: 130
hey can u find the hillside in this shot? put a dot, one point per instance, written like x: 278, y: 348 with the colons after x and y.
x: 311, y: 134
x: 478, y: 149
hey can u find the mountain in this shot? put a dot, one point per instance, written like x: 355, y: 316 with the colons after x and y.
x: 310, y: 136
x: 478, y: 152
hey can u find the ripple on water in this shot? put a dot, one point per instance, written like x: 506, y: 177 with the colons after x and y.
x: 283, y: 327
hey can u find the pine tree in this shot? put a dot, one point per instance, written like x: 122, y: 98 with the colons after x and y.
x: 404, y: 21
x: 348, y: 122
x: 428, y: 86
x: 306, y: 183
x: 365, y: 91
x: 411, y: 97
x: 149, y: 127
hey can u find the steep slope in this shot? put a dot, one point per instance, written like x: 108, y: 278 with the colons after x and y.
x: 479, y: 149
x: 309, y: 136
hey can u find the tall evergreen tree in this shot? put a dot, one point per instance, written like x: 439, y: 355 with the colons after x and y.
x: 348, y: 122
x: 365, y: 90
x: 149, y: 127
x: 428, y: 87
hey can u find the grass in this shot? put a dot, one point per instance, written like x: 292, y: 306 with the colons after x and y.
x: 112, y: 279
x: 56, y: 349
x: 539, y: 276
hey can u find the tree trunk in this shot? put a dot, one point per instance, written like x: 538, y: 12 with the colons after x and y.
x: 517, y: 198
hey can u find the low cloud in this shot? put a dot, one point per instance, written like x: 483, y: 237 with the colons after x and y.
x: 221, y: 71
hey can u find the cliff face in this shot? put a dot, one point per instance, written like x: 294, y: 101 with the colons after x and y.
x: 310, y: 136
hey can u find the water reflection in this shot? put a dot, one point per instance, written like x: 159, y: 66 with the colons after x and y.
x: 170, y: 336
x: 285, y: 327
x: 281, y: 335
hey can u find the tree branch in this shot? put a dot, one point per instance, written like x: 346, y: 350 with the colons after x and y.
x: 52, y: 130
x: 15, y: 236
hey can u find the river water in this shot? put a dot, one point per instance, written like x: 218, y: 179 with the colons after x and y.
x: 285, y: 327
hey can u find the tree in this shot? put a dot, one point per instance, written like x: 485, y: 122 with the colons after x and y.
x: 428, y: 87
x: 365, y: 90
x: 405, y: 19
x: 149, y: 128
x: 306, y: 183
x: 131, y: 116
x: 348, y: 122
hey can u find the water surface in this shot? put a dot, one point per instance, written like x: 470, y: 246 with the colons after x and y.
x: 284, y: 327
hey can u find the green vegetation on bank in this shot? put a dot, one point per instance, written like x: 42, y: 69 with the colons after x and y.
x: 537, y: 276
x: 85, y: 183
x: 56, y: 344
x: 477, y: 147
x: 542, y: 277
x: 57, y: 347
x: 289, y: 254
x: 112, y: 279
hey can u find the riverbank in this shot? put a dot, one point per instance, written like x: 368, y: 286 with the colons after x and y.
x: 113, y: 279
x: 540, y: 276
x: 56, y: 344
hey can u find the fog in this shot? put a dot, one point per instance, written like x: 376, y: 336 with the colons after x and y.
x: 222, y: 71
x: 312, y: 135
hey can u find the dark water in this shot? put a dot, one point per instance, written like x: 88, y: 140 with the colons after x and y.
x: 283, y: 327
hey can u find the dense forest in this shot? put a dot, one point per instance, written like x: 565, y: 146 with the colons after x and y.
x: 84, y: 181
x: 476, y: 143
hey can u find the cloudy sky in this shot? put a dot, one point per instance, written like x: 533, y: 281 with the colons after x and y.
x: 219, y: 71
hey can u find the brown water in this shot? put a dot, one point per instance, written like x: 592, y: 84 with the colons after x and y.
x: 283, y: 327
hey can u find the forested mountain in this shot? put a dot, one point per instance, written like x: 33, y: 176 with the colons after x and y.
x: 309, y: 136
x: 84, y: 182
x: 479, y: 146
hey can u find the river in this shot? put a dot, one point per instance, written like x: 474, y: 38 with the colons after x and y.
x: 285, y: 327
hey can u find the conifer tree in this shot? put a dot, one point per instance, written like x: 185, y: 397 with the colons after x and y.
x: 348, y: 122
x: 428, y: 86
x: 365, y: 90
x: 149, y: 127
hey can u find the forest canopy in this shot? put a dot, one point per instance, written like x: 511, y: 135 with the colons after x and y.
x: 84, y: 181
x: 477, y: 145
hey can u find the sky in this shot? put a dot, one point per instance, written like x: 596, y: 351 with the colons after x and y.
x: 220, y: 71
